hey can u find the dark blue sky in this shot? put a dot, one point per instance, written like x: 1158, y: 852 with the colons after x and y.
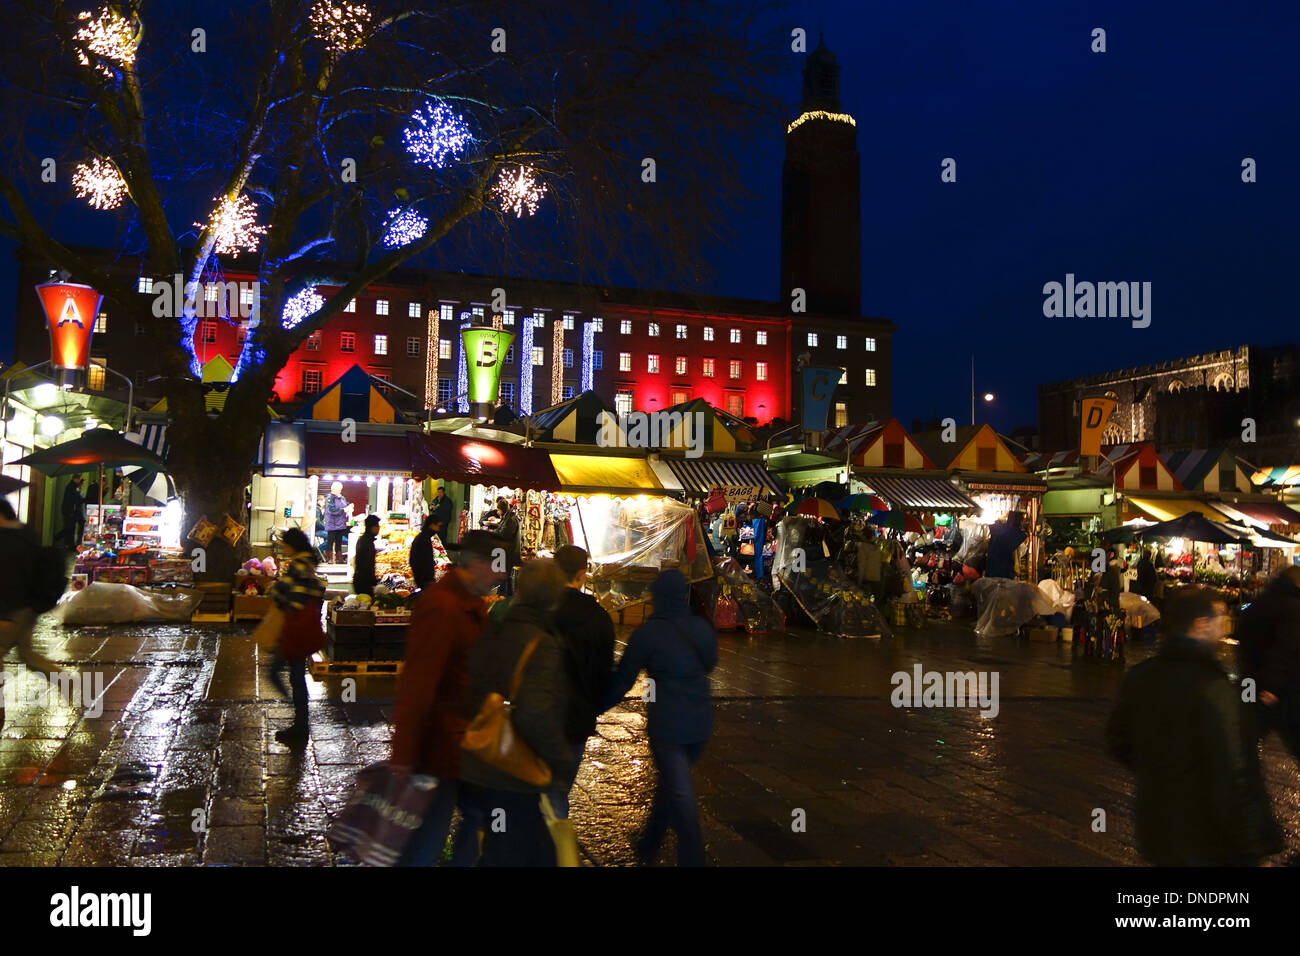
x: 1122, y: 166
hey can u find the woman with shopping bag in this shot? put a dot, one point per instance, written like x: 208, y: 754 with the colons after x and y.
x: 297, y: 596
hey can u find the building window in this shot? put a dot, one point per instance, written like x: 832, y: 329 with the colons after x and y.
x: 735, y: 368
x: 95, y: 374
x: 144, y: 284
x: 351, y: 306
x: 568, y: 323
x: 736, y: 404
x: 241, y: 333
x: 680, y: 367
x: 508, y: 317
x: 538, y: 355
x: 760, y: 371
x: 623, y: 402
x: 508, y: 393
x: 413, y: 310
x: 760, y: 338
x: 140, y: 329
x: 625, y: 326
x: 1147, y: 476
x: 597, y: 324
x: 311, y: 380
x: 101, y: 323
x: 708, y: 368
x: 412, y: 346
x: 680, y: 397
x: 681, y: 331
x: 597, y: 359
x: 381, y: 344
x: 812, y: 338
x: 871, y: 377
x: 735, y: 336
x: 446, y: 312
x: 652, y: 363
x: 844, y: 376
x: 477, y: 311
x: 894, y: 454
x: 510, y: 355
x: 347, y: 341
x: 653, y: 329
x: 539, y: 320
x: 313, y: 342
x: 625, y: 361
x: 568, y: 358
x: 986, y: 458
x: 381, y: 307
x: 444, y: 349
x: 210, y: 290
x: 871, y: 344
x: 139, y: 376
x: 246, y: 295
x: 382, y: 381
x: 841, y: 341
x: 566, y: 392
x: 209, y: 331
x: 708, y: 333
x: 841, y: 414
x: 444, y: 390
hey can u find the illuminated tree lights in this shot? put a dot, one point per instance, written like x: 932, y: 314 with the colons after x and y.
x: 304, y: 303
x: 341, y: 27
x: 109, y: 36
x: 518, y: 190
x: 404, y: 227
x: 234, y: 224
x: 436, y: 134
x: 99, y: 182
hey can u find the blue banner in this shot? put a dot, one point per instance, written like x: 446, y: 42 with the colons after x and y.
x: 818, y: 394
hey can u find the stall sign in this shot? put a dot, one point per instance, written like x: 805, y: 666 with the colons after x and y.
x: 485, y: 353
x: 818, y: 391
x: 70, y: 309
x: 738, y: 493
x: 1095, y: 413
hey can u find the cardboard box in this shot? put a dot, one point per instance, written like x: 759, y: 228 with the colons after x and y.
x: 1044, y: 635
x: 352, y: 617
x: 251, y: 606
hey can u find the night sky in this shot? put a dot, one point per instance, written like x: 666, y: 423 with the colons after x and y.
x: 1122, y: 166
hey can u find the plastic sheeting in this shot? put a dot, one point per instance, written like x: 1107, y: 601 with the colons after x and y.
x: 1052, y: 599
x: 1004, y: 605
x: 733, y: 599
x: 1138, y: 611
x: 104, y: 603
x: 631, y: 540
x: 835, y: 604
x: 795, y: 534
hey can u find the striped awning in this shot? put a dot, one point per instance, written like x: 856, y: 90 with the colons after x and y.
x: 737, y: 479
x: 1259, y: 512
x: 922, y: 494
x: 153, y: 437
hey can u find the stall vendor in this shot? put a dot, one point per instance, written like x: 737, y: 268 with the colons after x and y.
x: 363, y: 573
x: 337, y: 512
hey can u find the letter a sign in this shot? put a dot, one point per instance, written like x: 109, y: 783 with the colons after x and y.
x: 70, y: 310
x: 1096, y: 412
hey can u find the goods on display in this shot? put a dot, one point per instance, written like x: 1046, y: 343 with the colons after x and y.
x: 733, y: 600
x: 834, y: 603
x: 1005, y: 605
x: 106, y: 603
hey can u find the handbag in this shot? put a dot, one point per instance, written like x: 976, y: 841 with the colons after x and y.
x: 716, y: 501
x: 562, y: 834
x: 267, y: 632
x: 384, y: 811
x: 491, y: 734
x: 302, y: 634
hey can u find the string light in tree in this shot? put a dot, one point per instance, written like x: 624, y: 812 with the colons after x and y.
x: 431, y: 359
x: 557, y: 362
x: 110, y: 36
x: 462, y: 370
x: 234, y: 224
x: 437, y: 133
x: 526, y: 365
x: 588, y: 347
x: 341, y: 27
x: 300, y: 305
x: 404, y: 227
x: 99, y: 182
x: 518, y: 190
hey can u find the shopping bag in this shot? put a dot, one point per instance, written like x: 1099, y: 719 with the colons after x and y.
x: 267, y: 632
x: 562, y: 835
x: 384, y: 811
x: 302, y: 634
x: 716, y: 501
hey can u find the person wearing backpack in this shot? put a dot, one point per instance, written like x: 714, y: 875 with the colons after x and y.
x: 677, y: 649
x: 25, y: 587
x: 298, y: 592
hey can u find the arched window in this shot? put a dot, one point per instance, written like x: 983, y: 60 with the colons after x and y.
x: 1223, y: 380
x: 1113, y: 435
x: 1175, y: 386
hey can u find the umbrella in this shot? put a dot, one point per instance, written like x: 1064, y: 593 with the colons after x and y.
x: 100, y: 446
x: 898, y: 521
x: 1126, y: 532
x: 1193, y: 526
x: 9, y: 485
x: 817, y: 507
x: 863, y: 502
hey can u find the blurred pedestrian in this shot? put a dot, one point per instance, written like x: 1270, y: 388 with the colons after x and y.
x: 423, y: 566
x: 18, y: 599
x: 1146, y: 576
x: 677, y: 650
x: 74, y: 513
x: 298, y: 592
x: 433, y: 705
x: 509, y: 529
x: 1178, y: 725
x: 364, y: 578
x: 1268, y: 651
x: 538, y: 714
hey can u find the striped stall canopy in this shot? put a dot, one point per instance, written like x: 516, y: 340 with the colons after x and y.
x: 153, y: 437
x: 922, y: 494
x: 739, y: 480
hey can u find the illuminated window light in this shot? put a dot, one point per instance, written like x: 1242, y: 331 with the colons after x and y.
x: 588, y: 343
x: 557, y: 366
x: 821, y: 115
x: 462, y: 373
x: 431, y: 359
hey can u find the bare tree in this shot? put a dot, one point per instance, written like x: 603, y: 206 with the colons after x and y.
x: 331, y: 142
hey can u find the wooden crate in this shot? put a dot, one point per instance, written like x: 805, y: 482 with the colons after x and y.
x: 250, y: 607
x: 349, y: 617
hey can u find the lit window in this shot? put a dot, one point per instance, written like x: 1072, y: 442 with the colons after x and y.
x: 347, y: 341
x: 812, y: 338
x: 241, y: 333
x: 101, y: 322
x: 625, y: 327
x: 568, y: 358
x: 841, y: 341
x: 841, y: 414
x: 383, y: 380
x: 508, y: 317
x: 681, y: 331
x: 735, y: 368
x: 144, y: 284
x: 210, y: 290
x: 708, y: 333
x: 736, y: 404
x: 652, y: 363
x: 653, y: 329
x: 444, y: 349
x: 539, y: 320
x: 508, y: 393
x: 680, y: 398
x: 444, y: 390
x: 351, y: 306
x: 209, y: 331
x: 597, y: 324
x: 708, y: 368
x: 413, y: 310
x: 311, y: 380
x: 760, y: 338
x: 597, y: 359
x: 568, y: 323
x: 140, y: 329
x: 381, y: 344
x: 844, y: 376
x: 313, y: 342
x: 681, y: 365
x: 735, y: 336
x: 95, y: 374
x: 445, y: 311
x: 760, y: 371
x: 245, y: 295
x: 625, y: 361
x: 412, y: 346
x: 477, y: 311
x: 381, y: 307
x: 566, y: 392
x: 871, y: 344
x: 871, y: 376
x: 623, y: 402
x: 538, y: 355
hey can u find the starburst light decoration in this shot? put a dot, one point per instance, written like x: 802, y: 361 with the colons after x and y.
x: 99, y: 182
x: 404, y: 227
x: 437, y: 133
x: 234, y: 223
x: 109, y: 36
x: 341, y: 27
x: 518, y: 190
x: 300, y: 305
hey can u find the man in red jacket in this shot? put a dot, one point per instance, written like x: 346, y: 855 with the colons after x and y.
x: 430, y: 716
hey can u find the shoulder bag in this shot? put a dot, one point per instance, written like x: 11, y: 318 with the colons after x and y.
x: 491, y: 735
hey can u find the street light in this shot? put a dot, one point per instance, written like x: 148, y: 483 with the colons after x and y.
x: 988, y: 396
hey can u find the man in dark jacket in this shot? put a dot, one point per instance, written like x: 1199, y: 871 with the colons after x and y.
x: 509, y: 529
x: 74, y: 513
x: 1268, y: 651
x: 423, y: 567
x: 1178, y: 725
x: 538, y: 713
x: 363, y: 571
x: 442, y: 509
x: 1146, y: 576
x: 588, y: 635
x: 677, y: 650
x: 1004, y: 538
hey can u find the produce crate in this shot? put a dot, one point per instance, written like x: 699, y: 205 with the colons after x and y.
x: 214, y: 607
x: 350, y: 617
x: 251, y: 607
x: 631, y: 615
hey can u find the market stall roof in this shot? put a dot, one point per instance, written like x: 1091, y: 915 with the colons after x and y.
x: 383, y: 455
x: 352, y: 395
x: 702, y: 475
x: 1194, y: 526
x: 1264, y: 539
x: 605, y: 474
x: 99, y: 446
x: 974, y: 447
x: 1166, y: 509
x: 576, y: 420
x: 1259, y: 512
x: 478, y: 462
x: 921, y: 494
x: 1281, y: 476
x: 217, y: 377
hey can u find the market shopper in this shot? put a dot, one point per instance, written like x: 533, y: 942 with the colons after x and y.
x: 423, y: 566
x: 1146, y: 576
x: 510, y: 530
x: 442, y: 509
x: 1179, y: 726
x: 364, y: 578
x: 73, y: 511
x: 538, y: 714
x: 432, y: 709
x: 1268, y: 651
x: 298, y: 592
x: 18, y: 599
x: 677, y: 649
x: 337, y: 513
x: 1005, y: 537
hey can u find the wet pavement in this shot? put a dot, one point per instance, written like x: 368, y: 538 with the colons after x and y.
x: 810, y: 764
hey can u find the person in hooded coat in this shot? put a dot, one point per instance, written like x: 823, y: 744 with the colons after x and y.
x: 678, y: 650
x: 1268, y: 650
